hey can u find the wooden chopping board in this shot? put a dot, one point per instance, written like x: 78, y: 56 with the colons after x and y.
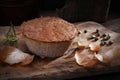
x: 60, y: 68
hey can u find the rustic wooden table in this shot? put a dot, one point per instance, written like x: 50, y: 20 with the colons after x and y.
x: 112, y: 25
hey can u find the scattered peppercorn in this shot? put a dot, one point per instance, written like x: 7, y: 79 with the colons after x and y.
x: 95, y: 39
x: 107, y: 37
x: 102, y: 43
x: 79, y: 32
x: 109, y: 43
x: 104, y: 35
x: 85, y: 31
x: 97, y: 31
x: 97, y: 35
x: 89, y: 38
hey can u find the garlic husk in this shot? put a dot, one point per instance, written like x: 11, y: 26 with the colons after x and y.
x: 12, y: 55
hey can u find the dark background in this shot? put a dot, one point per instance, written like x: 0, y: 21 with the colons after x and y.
x: 19, y: 11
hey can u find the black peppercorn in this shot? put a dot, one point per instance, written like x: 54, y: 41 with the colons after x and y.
x: 85, y: 31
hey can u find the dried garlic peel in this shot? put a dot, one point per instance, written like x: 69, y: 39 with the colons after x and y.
x: 13, y: 56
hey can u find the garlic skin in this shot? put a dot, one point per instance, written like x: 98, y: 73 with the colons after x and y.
x: 99, y: 57
x: 12, y: 55
x: 15, y: 56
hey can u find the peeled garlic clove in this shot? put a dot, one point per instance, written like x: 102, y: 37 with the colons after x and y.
x: 82, y: 41
x: 95, y: 46
x: 78, y: 58
x: 86, y: 60
x: 13, y: 55
x: 82, y: 45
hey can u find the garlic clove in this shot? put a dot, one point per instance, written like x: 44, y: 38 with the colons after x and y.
x: 86, y: 60
x: 95, y: 46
